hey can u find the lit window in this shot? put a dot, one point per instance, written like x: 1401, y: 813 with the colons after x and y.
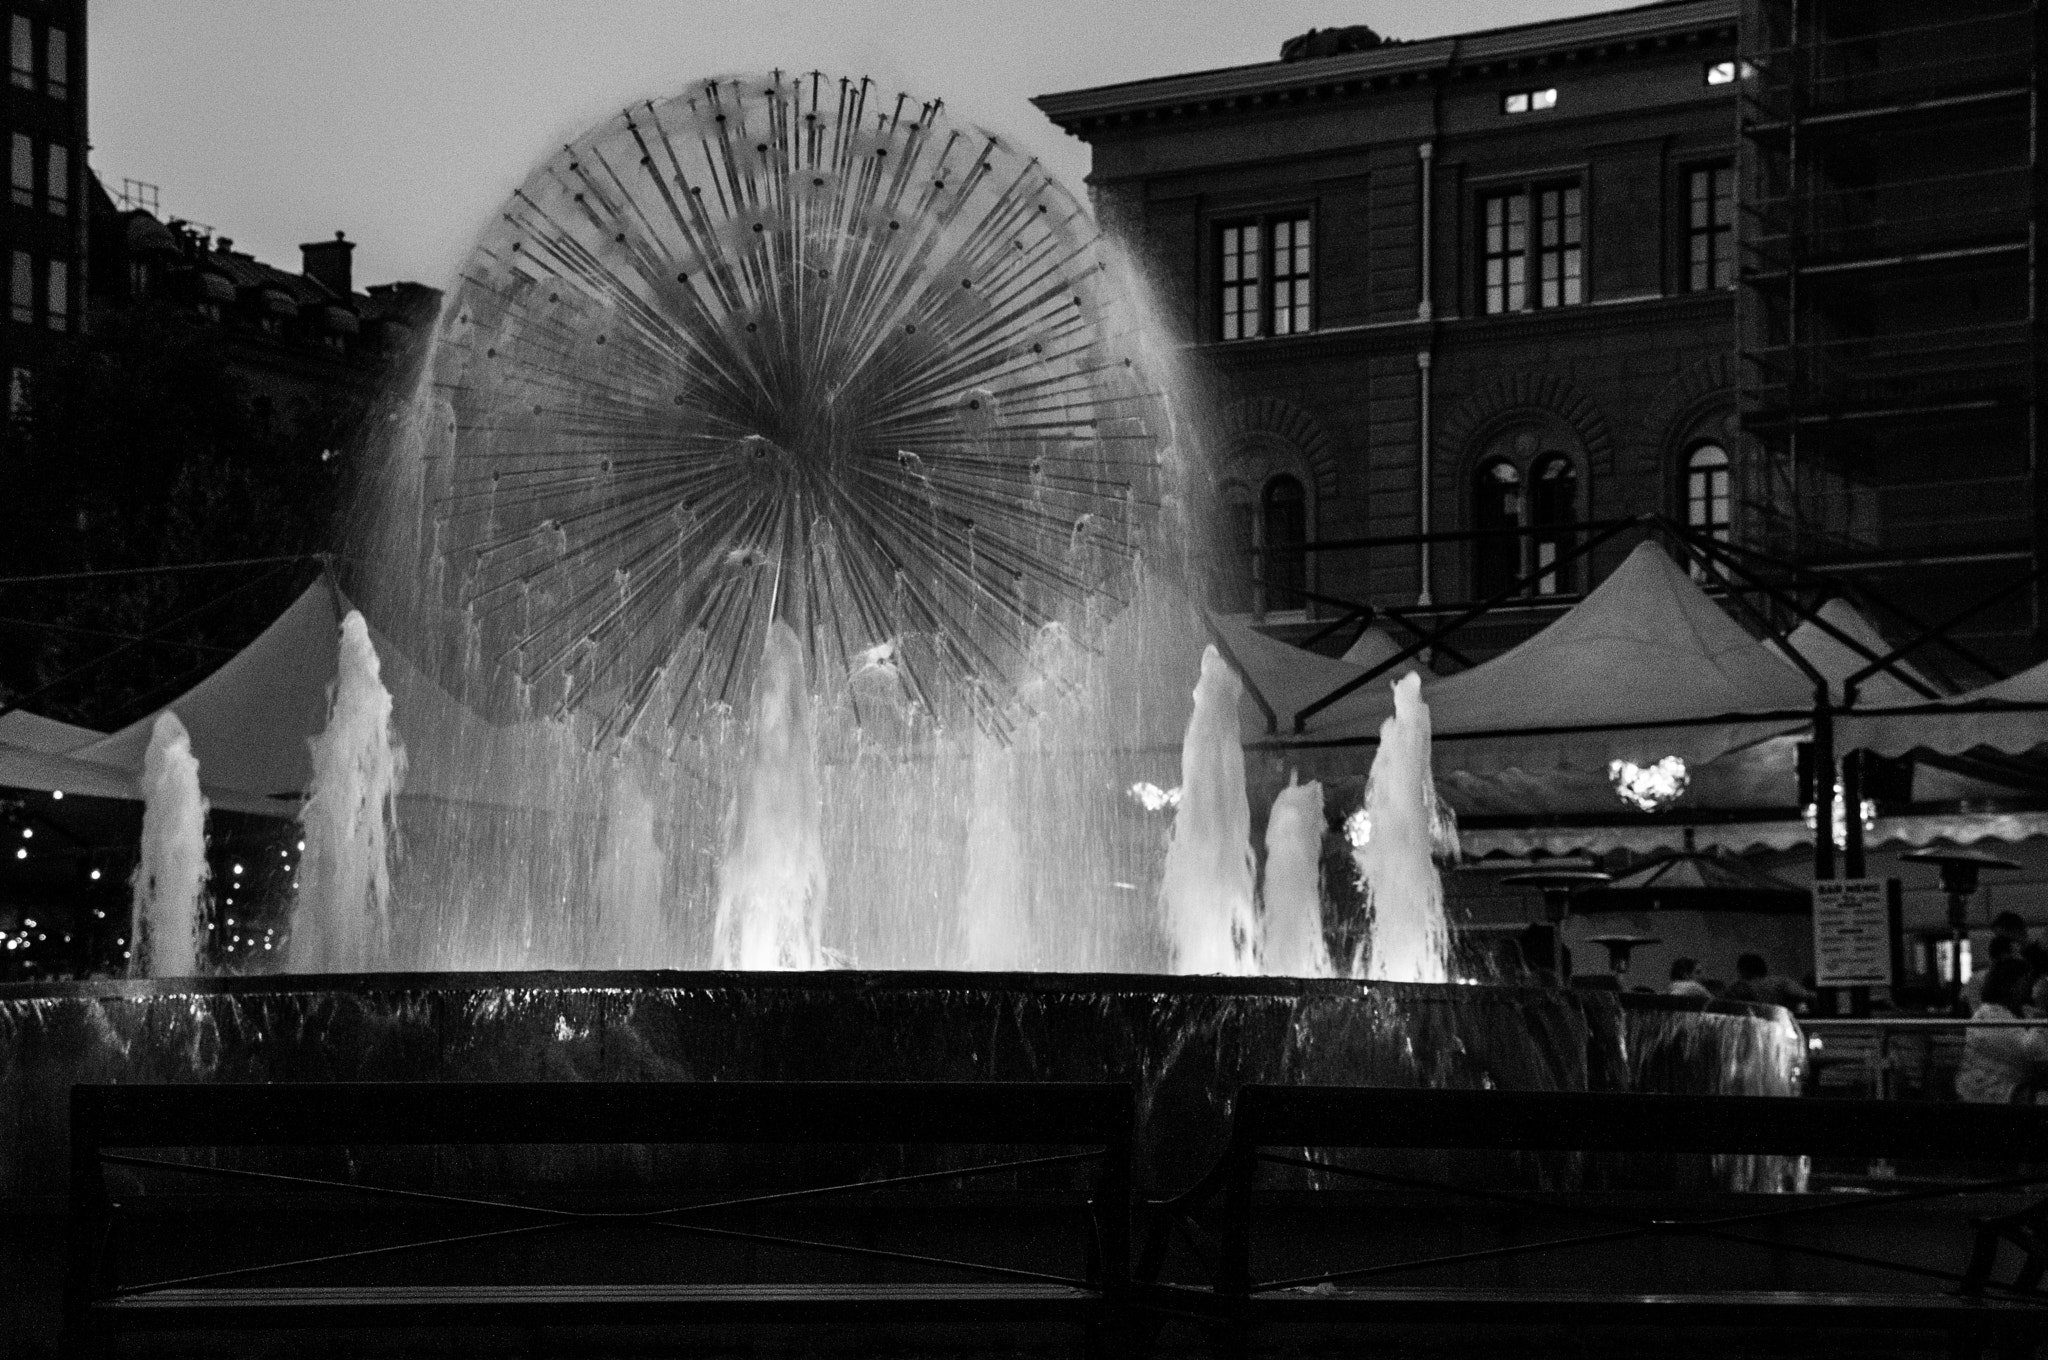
x: 22, y: 295
x: 19, y: 391
x: 23, y: 49
x: 1285, y: 516
x: 1240, y: 259
x: 1728, y: 72
x: 1250, y: 255
x: 57, y: 188
x: 1507, y: 252
x: 1709, y: 493
x: 1529, y: 101
x: 58, y: 67
x: 1553, y: 253
x: 1560, y: 256
x: 1710, y: 228
x: 1291, y: 313
x: 59, y: 301
x: 23, y: 170
x: 1496, y: 513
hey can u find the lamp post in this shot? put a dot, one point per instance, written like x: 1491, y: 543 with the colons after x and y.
x: 1959, y: 870
x: 1557, y: 887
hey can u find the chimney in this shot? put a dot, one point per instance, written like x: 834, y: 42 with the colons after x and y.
x: 327, y: 263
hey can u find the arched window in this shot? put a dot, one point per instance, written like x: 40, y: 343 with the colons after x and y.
x: 1553, y: 505
x: 1286, y: 538
x: 1709, y: 498
x: 1496, y: 506
x: 1237, y: 575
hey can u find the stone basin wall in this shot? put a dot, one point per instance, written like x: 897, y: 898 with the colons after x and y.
x: 1186, y: 1044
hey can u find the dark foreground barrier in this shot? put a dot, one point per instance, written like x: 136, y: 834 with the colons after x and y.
x: 872, y: 1250
x: 1627, y: 1245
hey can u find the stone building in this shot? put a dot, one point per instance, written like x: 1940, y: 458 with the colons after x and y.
x: 297, y: 341
x: 45, y: 223
x: 1473, y: 283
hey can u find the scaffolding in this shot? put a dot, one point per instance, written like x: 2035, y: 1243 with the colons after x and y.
x: 1888, y: 298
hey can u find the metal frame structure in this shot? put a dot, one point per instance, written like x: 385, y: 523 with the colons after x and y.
x: 110, y: 1122
x: 1217, y: 1219
x: 1889, y: 294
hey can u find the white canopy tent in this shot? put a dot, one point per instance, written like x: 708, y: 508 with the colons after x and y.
x: 1643, y: 667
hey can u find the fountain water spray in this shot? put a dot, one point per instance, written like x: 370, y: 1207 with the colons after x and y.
x: 771, y: 883
x: 631, y: 929
x: 170, y: 881
x: 1207, y: 892
x: 1407, y: 940
x: 1292, y: 890
x: 995, y: 922
x: 341, y: 920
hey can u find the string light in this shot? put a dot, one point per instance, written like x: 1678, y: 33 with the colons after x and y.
x: 1649, y: 787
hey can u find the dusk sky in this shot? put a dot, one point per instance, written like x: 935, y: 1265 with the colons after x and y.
x: 405, y: 122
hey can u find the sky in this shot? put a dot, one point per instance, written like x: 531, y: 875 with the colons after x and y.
x: 406, y: 122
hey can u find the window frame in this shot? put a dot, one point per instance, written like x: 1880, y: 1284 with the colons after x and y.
x: 56, y: 180
x: 21, y: 169
x: 56, y: 61
x: 57, y: 293
x: 1690, y: 232
x: 1722, y: 531
x: 1573, y: 256
x: 21, y: 39
x: 1491, y: 557
x: 1228, y: 280
x: 21, y: 288
x: 1271, y: 553
x: 1551, y: 538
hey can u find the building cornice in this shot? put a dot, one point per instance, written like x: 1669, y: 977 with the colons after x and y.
x: 1277, y: 83
x: 1386, y: 337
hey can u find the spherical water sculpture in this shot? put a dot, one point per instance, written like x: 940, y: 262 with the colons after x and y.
x: 784, y: 348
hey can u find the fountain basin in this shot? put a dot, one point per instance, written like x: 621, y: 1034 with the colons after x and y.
x: 1185, y: 1043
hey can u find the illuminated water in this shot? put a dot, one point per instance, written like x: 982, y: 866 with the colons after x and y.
x: 170, y: 878
x: 341, y: 920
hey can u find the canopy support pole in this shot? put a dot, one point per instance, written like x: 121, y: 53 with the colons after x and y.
x: 1823, y: 786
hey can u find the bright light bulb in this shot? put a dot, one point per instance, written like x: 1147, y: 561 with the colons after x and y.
x: 1358, y: 828
x: 1649, y: 787
x: 57, y: 794
x: 28, y: 833
x: 238, y: 871
x: 96, y: 878
x: 21, y: 854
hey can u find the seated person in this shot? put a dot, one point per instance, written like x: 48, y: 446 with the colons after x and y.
x: 1685, y: 979
x: 2000, y: 1064
x: 2002, y: 947
x: 1754, y: 981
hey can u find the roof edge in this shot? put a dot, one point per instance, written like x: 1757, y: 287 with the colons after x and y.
x: 1661, y: 20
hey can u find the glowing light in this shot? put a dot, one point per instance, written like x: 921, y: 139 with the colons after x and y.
x: 238, y: 871
x: 1358, y: 828
x: 96, y: 878
x: 1152, y: 798
x: 57, y: 794
x: 1649, y: 787
x: 1869, y: 817
x: 21, y: 854
x: 28, y: 833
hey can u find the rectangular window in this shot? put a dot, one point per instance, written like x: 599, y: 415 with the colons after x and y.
x: 1529, y: 101
x: 1507, y: 252
x: 58, y: 302
x: 1560, y: 253
x: 1710, y: 228
x: 1291, y: 306
x: 23, y: 170
x: 57, y: 69
x: 21, y: 296
x: 23, y: 49
x: 57, y: 188
x: 1241, y: 302
x: 19, y: 383
x: 1532, y: 248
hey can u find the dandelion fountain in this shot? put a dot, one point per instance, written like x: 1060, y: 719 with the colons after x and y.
x: 783, y: 571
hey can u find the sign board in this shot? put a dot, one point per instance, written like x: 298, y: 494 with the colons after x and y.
x: 1852, y: 938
